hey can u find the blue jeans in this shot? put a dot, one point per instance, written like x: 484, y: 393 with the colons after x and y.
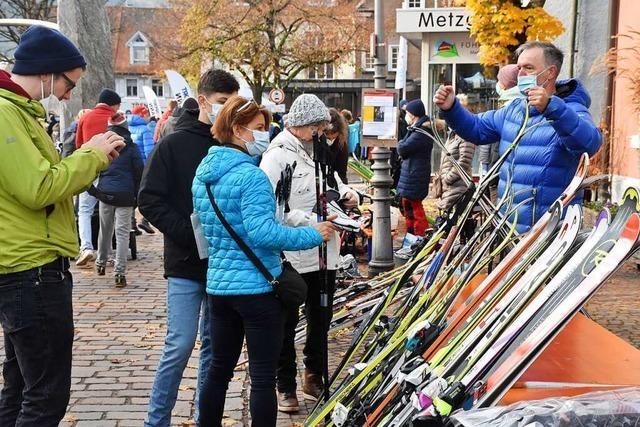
x: 86, y: 206
x: 185, y: 299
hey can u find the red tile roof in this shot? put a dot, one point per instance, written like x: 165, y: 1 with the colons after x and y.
x: 159, y: 27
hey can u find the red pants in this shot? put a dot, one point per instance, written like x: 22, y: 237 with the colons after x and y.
x: 414, y: 215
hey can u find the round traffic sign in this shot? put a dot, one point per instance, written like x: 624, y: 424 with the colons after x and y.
x: 276, y: 96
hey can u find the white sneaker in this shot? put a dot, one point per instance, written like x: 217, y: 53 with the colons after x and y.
x: 85, y: 256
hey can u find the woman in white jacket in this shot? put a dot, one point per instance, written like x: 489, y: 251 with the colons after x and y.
x: 307, y: 116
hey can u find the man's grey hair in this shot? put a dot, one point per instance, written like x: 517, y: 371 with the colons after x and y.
x: 552, y: 55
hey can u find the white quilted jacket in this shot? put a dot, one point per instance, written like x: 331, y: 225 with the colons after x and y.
x: 286, y: 149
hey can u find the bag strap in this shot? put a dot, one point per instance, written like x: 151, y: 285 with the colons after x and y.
x: 245, y: 248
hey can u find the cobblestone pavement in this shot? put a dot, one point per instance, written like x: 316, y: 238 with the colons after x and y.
x: 120, y: 332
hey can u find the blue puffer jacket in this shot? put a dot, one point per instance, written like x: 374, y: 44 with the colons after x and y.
x: 142, y: 135
x: 244, y: 195
x: 546, y: 159
x: 415, y: 172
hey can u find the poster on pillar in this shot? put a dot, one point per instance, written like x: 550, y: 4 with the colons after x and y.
x: 458, y: 48
x: 379, y: 117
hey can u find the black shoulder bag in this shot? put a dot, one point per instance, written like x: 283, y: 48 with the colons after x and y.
x: 289, y: 286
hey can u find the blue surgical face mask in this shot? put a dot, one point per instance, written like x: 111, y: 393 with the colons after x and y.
x: 529, y: 81
x: 259, y: 144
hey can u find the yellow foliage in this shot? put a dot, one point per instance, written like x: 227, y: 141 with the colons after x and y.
x: 500, y: 26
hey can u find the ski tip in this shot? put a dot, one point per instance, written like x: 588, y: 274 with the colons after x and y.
x: 604, y: 215
x: 632, y: 193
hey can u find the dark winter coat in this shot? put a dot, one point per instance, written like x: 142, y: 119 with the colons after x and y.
x: 547, y: 158
x: 415, y: 172
x: 339, y: 153
x: 453, y: 186
x: 165, y: 194
x: 119, y: 184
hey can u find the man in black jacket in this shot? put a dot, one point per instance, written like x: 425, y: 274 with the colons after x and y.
x: 165, y: 200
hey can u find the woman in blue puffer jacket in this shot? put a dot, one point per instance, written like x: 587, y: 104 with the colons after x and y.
x: 240, y: 299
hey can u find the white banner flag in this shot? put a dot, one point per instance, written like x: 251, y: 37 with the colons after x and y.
x: 180, y: 89
x: 152, y: 101
x: 401, y: 70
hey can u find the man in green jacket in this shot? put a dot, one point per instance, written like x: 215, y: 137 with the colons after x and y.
x: 37, y: 228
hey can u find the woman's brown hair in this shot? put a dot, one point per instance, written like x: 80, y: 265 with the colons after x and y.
x: 338, y: 125
x: 237, y: 111
x: 347, y: 116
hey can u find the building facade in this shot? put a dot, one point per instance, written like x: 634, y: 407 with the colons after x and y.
x: 448, y: 56
x: 141, y: 37
x: 340, y: 85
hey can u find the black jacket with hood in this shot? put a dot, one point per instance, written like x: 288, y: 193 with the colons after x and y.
x: 165, y: 193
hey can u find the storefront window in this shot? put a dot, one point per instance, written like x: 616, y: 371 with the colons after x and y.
x: 471, y: 85
x: 480, y: 91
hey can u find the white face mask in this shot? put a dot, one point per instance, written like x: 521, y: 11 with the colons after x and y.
x: 409, y: 118
x: 215, y: 110
x: 50, y: 102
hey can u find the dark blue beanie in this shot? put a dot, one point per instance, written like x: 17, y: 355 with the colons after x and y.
x: 416, y: 107
x: 109, y: 97
x: 42, y: 51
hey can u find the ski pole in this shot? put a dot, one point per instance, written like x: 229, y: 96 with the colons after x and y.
x: 319, y: 154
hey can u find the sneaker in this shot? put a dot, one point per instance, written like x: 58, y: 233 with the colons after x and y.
x: 121, y: 281
x: 288, y: 402
x: 312, y: 386
x: 85, y: 256
x: 100, y: 270
x: 146, y: 227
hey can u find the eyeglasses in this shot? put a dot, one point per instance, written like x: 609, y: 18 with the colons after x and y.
x: 70, y: 83
x: 246, y: 104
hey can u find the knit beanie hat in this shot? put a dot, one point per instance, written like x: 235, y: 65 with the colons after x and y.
x: 42, y: 51
x: 307, y: 109
x: 416, y: 107
x: 508, y: 76
x: 109, y: 97
x: 119, y: 119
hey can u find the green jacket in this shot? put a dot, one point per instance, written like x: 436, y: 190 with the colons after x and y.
x: 37, y: 222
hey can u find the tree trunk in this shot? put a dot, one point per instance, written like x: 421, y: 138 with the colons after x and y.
x: 86, y: 23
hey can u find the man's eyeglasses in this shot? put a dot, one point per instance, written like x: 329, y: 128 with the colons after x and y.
x: 70, y: 83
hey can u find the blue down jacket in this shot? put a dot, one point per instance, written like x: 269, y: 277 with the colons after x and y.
x: 547, y: 157
x: 415, y: 172
x: 244, y: 195
x: 142, y: 136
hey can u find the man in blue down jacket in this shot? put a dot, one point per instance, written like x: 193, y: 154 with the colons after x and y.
x: 547, y: 157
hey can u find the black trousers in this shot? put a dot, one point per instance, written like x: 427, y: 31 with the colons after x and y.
x: 259, y: 317
x: 316, y: 332
x: 37, y: 319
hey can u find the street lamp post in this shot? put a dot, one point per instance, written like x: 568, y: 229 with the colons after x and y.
x: 382, y: 250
